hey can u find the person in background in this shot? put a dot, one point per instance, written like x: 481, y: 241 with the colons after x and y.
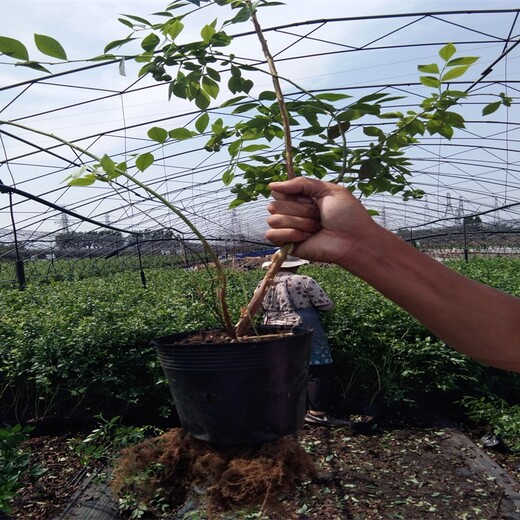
x: 297, y: 300
x: 327, y: 223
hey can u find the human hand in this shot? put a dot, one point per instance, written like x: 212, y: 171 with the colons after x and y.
x: 324, y: 220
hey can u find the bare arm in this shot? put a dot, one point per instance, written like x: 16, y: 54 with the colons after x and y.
x: 330, y: 225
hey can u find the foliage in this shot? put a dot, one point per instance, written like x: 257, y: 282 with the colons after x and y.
x: 500, y: 273
x: 15, y: 464
x: 501, y: 416
x: 106, y: 440
x: 86, y: 345
x: 253, y: 126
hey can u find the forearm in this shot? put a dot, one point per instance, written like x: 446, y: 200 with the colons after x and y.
x: 471, y: 317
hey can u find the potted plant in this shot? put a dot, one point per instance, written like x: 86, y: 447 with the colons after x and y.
x: 195, y: 71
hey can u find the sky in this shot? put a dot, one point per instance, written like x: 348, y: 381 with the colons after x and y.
x: 83, y: 28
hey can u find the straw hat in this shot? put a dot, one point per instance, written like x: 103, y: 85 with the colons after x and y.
x: 290, y: 261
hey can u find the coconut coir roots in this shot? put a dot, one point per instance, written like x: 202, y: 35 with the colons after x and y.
x: 175, y: 465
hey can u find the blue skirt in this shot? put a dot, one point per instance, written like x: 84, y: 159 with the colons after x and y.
x: 320, y: 352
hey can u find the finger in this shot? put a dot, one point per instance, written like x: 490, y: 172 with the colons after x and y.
x: 296, y: 208
x: 301, y: 199
x: 307, y: 225
x: 283, y: 236
x: 301, y: 186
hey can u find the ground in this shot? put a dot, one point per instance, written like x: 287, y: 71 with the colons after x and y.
x: 399, y: 471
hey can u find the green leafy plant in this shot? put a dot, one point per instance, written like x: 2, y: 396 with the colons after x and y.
x: 255, y: 126
x: 109, y: 437
x: 15, y: 464
x: 502, y: 417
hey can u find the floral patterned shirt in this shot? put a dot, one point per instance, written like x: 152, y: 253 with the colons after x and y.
x: 294, y: 291
x: 295, y: 299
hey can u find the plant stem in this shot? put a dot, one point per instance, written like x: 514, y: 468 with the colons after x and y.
x: 289, y: 164
x: 248, y: 314
x: 252, y: 309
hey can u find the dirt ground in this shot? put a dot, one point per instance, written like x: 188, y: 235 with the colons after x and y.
x: 399, y: 471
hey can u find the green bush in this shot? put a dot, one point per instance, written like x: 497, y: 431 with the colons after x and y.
x: 15, y: 464
x: 502, y: 417
x: 87, y: 343
x: 85, y: 346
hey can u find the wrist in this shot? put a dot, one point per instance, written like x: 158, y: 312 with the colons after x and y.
x: 365, y: 252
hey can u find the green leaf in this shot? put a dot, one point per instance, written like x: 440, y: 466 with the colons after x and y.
x: 13, y: 48
x: 465, y: 60
x: 372, y: 97
x: 430, y: 81
x: 33, y: 65
x: 446, y: 131
x: 234, y: 84
x: 144, y: 161
x: 228, y: 176
x: 202, y: 123
x: 234, y: 147
x: 334, y: 131
x: 247, y: 85
x: 157, y: 134
x: 455, y: 73
x: 174, y: 29
x: 235, y: 203
x: 107, y: 164
x: 452, y: 119
x: 373, y: 131
x: 245, y: 107
x: 138, y: 19
x: 221, y: 39
x: 128, y: 23
x: 437, y: 126
x: 232, y: 101
x: 213, y: 74
x: 242, y: 16
x: 202, y: 100
x: 267, y: 95
x: 50, y: 47
x: 116, y: 44
x: 121, y: 167
x: 456, y: 93
x: 350, y: 114
x: 255, y: 147
x: 180, y: 134
x: 178, y: 88
x: 431, y: 68
x: 150, y: 42
x: 210, y: 87
x: 332, y: 96
x: 86, y: 180
x: 492, y: 107
x: 207, y: 32
x: 447, y: 51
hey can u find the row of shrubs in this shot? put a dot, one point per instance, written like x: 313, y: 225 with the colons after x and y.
x: 84, y: 347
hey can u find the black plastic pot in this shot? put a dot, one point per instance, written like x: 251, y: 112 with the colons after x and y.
x: 370, y: 414
x: 243, y: 392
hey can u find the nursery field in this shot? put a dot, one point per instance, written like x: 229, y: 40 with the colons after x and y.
x: 72, y: 351
x: 407, y: 469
